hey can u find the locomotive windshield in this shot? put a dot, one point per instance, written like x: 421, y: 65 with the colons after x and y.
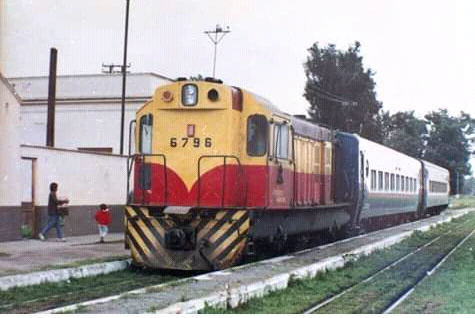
x: 146, y: 123
x: 256, y: 135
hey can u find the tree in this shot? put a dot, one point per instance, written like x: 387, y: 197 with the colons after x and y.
x: 405, y: 133
x: 341, y: 93
x: 448, y: 144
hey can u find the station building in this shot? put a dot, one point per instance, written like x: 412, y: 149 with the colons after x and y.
x: 85, y: 160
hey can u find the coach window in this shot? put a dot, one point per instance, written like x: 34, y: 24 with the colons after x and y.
x: 281, y: 141
x: 256, y: 135
x: 373, y: 179
x: 146, y: 124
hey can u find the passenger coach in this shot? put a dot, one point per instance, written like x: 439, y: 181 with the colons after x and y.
x: 386, y: 186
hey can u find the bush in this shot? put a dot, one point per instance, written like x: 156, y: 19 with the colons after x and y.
x: 26, y: 231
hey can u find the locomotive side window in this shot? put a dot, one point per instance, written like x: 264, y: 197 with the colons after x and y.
x: 257, y: 135
x: 145, y: 143
x: 281, y: 141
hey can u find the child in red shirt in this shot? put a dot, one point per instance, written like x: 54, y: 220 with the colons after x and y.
x: 103, y: 219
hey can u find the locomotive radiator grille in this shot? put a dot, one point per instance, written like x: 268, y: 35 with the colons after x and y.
x: 215, y: 242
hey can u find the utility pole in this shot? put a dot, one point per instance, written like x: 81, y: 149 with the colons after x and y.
x: 124, y: 66
x: 216, y: 36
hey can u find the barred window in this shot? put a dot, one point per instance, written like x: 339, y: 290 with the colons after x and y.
x: 380, y: 180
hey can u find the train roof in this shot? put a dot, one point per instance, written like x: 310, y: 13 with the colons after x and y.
x: 301, y: 126
x: 311, y: 130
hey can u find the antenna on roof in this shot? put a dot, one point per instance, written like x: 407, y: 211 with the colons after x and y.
x: 111, y: 68
x: 216, y: 36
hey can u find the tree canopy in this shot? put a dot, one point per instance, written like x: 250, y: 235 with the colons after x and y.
x: 405, y: 133
x: 448, y: 144
x: 341, y: 92
x: 342, y: 95
x: 439, y: 138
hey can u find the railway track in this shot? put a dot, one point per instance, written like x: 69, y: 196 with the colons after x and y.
x: 113, y: 286
x: 386, y: 288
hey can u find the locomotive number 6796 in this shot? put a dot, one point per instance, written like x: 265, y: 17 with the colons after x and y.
x: 195, y: 142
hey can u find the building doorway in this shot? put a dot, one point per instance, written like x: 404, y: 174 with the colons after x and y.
x: 30, y: 215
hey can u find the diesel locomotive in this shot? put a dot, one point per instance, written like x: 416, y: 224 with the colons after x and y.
x: 218, y: 170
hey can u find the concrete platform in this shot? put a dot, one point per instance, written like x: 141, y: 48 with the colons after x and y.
x: 26, y: 256
x: 234, y: 286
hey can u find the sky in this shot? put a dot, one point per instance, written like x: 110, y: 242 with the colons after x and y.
x: 422, y: 52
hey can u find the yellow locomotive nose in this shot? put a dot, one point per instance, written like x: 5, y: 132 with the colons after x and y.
x: 189, y: 147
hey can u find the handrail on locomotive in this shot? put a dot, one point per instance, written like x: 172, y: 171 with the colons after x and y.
x: 132, y: 159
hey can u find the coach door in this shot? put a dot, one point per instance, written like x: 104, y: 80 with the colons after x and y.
x: 280, y: 164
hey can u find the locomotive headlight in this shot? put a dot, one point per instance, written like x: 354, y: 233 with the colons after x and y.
x: 189, y: 95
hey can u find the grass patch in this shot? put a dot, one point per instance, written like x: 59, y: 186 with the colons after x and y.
x: 51, y: 295
x: 450, y: 289
x: 302, y: 294
x: 464, y: 201
x: 86, y: 262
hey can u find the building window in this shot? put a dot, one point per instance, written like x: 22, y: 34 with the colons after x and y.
x: 393, y: 185
x: 386, y: 181
x: 380, y: 180
x: 398, y: 182
x: 256, y: 135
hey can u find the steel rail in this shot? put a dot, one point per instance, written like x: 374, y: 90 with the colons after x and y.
x: 392, y: 264
x: 394, y: 304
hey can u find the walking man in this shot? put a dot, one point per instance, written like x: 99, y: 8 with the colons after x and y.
x: 53, y: 213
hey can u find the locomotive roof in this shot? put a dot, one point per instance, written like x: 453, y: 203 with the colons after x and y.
x: 302, y: 127
x: 311, y: 130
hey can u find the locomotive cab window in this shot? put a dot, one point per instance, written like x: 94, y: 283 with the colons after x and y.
x: 145, y: 143
x: 281, y: 141
x: 257, y: 135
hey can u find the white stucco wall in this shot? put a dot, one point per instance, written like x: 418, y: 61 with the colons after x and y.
x: 79, y: 125
x: 84, y: 178
x: 10, y: 173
